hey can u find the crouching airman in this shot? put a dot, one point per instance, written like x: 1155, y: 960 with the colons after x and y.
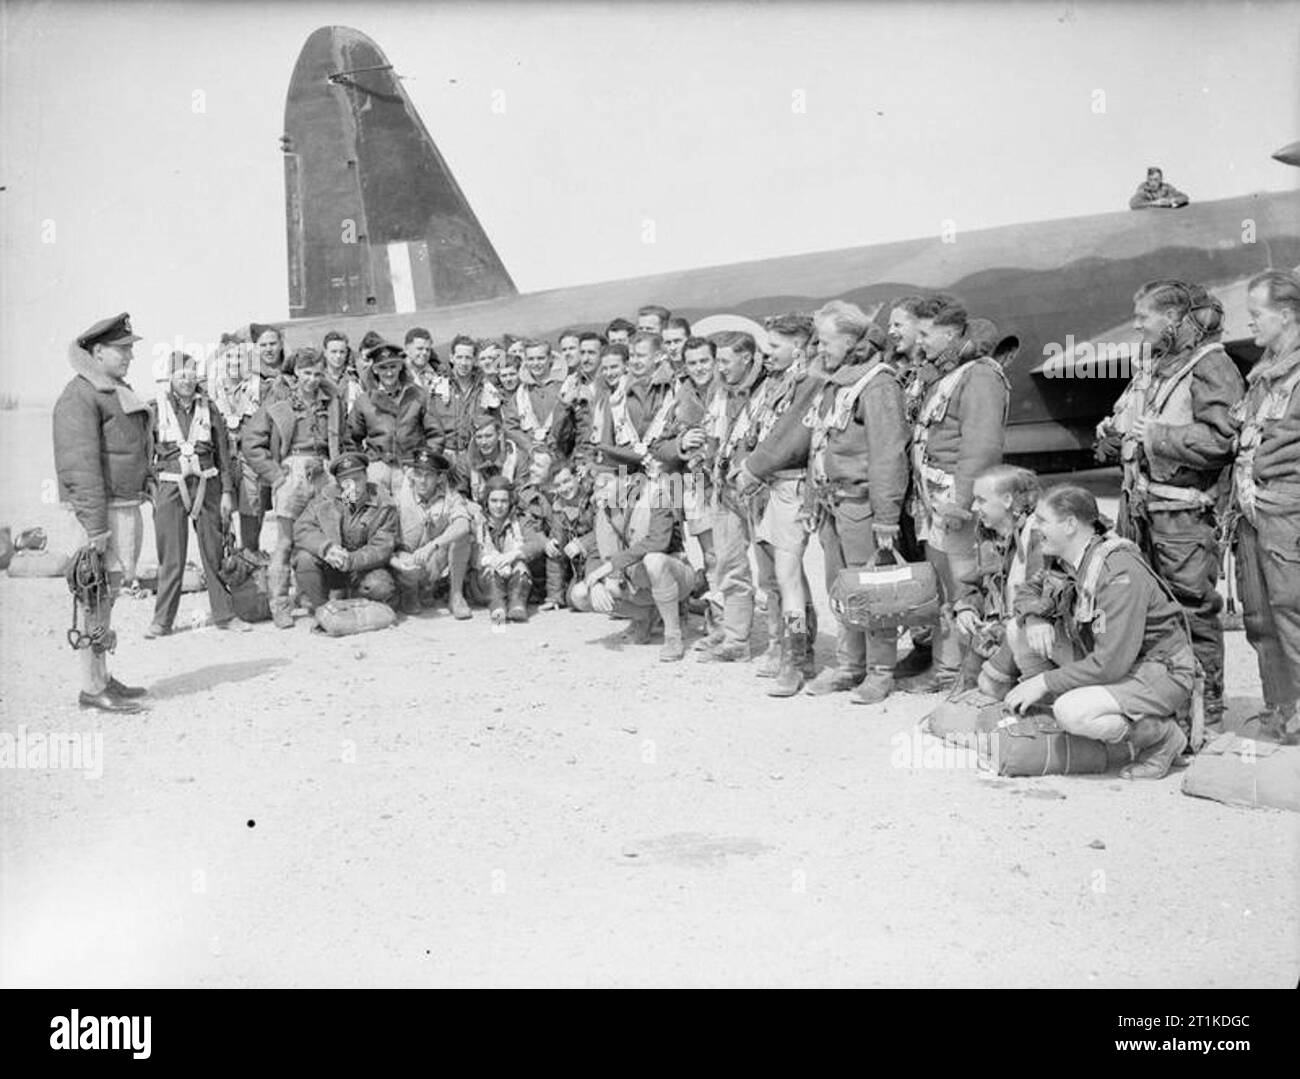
x: 1129, y: 671
x: 344, y: 538
x: 434, y: 535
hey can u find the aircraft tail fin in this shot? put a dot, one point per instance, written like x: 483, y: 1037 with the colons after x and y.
x: 376, y: 221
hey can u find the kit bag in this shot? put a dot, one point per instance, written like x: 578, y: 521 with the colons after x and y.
x: 39, y: 563
x: 883, y: 596
x: 1243, y: 772
x: 344, y: 617
x: 961, y: 724
x: 245, y: 575
x: 1035, y: 745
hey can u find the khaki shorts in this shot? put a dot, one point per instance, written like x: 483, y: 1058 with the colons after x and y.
x: 304, y: 477
x: 782, y: 523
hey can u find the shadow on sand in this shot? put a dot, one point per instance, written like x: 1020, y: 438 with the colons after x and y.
x: 206, y: 678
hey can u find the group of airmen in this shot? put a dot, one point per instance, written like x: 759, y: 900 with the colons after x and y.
x: 517, y: 473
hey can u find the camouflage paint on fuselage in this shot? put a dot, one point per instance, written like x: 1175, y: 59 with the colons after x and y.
x: 1044, y: 281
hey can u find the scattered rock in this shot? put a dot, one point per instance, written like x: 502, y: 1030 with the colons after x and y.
x: 1097, y: 844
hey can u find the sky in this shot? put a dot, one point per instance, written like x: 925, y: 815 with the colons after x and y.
x: 139, y: 142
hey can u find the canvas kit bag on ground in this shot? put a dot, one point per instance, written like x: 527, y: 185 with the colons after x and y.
x: 883, y: 596
x: 961, y: 724
x: 192, y: 578
x: 1243, y: 772
x: 46, y: 563
x: 245, y: 575
x: 1035, y: 745
x: 344, y: 617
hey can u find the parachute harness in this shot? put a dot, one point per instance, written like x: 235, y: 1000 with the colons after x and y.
x: 88, y: 582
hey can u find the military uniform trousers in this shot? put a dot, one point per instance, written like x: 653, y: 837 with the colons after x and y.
x: 952, y: 554
x: 171, y: 527
x: 733, y: 575
x: 553, y: 573
x: 848, y: 541
x: 316, y: 579
x: 1152, y: 688
x: 1268, y: 578
x: 678, y: 580
x: 1183, y: 550
x: 254, y: 496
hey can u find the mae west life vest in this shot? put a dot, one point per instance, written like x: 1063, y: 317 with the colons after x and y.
x: 1249, y: 498
x: 1168, y: 403
x: 624, y: 430
x: 187, y: 462
x: 773, y: 398
x: 934, y: 484
x: 539, y: 431
x: 835, y: 418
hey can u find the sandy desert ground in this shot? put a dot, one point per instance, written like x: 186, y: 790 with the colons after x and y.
x: 442, y: 804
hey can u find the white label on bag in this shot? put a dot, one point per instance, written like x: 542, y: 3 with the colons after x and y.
x: 885, y: 576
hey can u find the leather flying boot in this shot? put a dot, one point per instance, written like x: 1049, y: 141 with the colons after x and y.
x: 1156, y: 744
x: 495, y: 590
x: 794, y: 655
x: 520, y: 583
x: 875, y: 687
x: 917, y: 661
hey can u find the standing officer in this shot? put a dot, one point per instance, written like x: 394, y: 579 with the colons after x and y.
x: 1174, y: 430
x: 101, y: 455
x: 196, y: 482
